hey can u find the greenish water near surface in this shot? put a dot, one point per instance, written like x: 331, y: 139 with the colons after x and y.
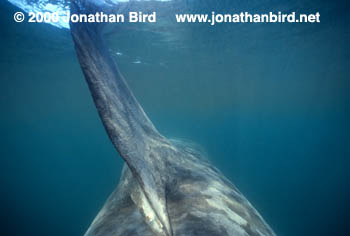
x: 269, y: 104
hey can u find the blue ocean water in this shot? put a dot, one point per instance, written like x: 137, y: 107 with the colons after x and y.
x: 269, y: 103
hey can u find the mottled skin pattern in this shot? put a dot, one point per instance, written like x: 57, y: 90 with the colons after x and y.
x: 165, y: 189
x: 200, y: 201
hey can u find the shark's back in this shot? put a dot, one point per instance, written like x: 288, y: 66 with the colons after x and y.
x: 200, y: 201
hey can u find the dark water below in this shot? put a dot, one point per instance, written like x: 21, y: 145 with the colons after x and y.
x: 269, y: 103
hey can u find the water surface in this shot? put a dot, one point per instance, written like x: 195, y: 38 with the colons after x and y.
x: 268, y: 102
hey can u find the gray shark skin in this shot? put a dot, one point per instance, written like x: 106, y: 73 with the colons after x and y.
x: 165, y: 189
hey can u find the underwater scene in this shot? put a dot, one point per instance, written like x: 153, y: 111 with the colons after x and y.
x: 264, y: 106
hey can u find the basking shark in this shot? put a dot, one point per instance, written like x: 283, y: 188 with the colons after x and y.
x: 165, y: 189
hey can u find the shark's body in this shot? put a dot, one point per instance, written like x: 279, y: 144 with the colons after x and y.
x: 165, y: 189
x: 199, y: 200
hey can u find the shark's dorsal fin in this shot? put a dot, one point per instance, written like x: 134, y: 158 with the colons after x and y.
x: 128, y: 127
